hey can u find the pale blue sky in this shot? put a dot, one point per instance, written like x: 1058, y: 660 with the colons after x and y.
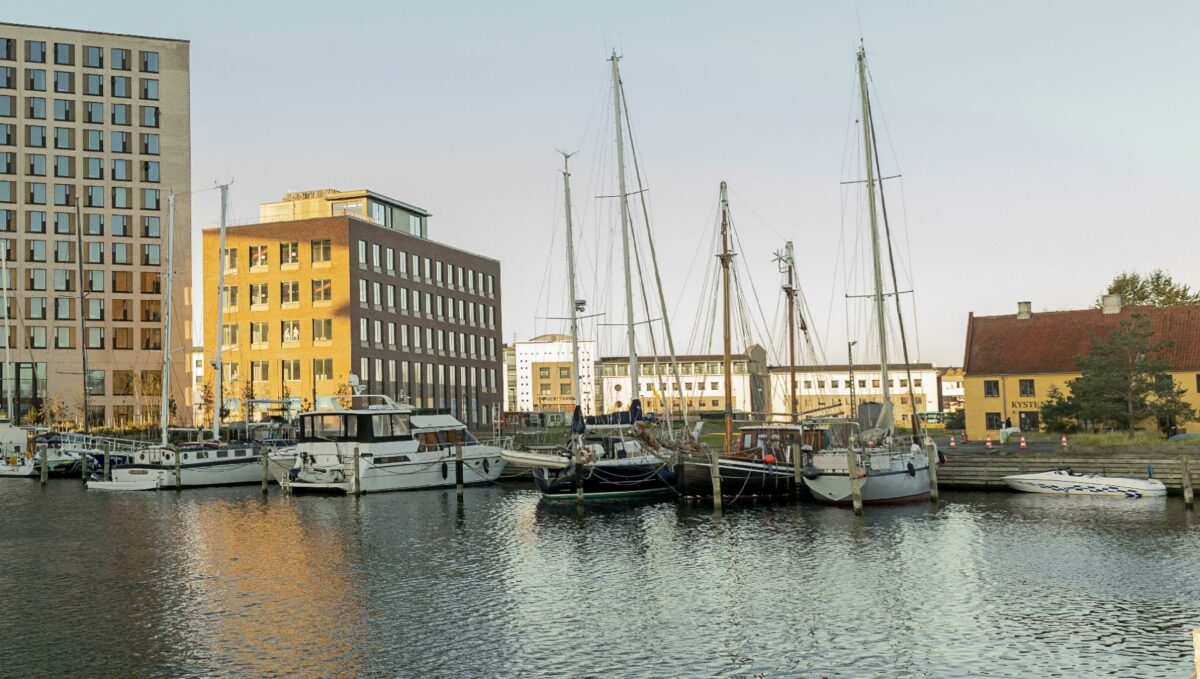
x: 1044, y: 146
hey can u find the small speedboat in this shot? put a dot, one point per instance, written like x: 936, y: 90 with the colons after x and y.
x: 536, y: 459
x: 151, y: 484
x: 1066, y: 482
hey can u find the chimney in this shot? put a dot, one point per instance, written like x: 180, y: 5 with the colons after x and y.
x: 1111, y: 304
x: 1024, y: 310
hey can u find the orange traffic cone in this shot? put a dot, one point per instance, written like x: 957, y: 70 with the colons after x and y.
x: 988, y: 443
x: 952, y: 446
x: 1023, y: 446
x: 1064, y: 441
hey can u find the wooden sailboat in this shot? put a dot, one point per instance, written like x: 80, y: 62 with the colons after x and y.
x: 874, y: 465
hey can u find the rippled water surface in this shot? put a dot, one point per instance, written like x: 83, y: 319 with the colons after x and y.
x: 222, y: 582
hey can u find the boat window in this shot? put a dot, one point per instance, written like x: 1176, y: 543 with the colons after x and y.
x: 328, y: 427
x: 201, y: 456
x: 240, y: 453
x: 222, y: 453
x: 429, y: 440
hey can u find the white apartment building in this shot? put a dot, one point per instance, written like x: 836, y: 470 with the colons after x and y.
x: 825, y: 390
x: 543, y: 375
x: 702, y: 378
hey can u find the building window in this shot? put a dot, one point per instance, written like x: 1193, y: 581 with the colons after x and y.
x: 231, y: 260
x: 991, y: 388
x: 35, y: 50
x: 323, y: 368
x: 258, y: 256
x: 290, y: 368
x: 362, y: 253
x: 260, y: 371
x: 258, y: 295
x: 321, y: 251
x: 322, y: 290
x: 290, y: 331
x: 1027, y: 388
x: 993, y: 421
x: 149, y: 62
x: 230, y: 297
x: 289, y: 292
x: 289, y: 253
x: 150, y: 89
x: 322, y: 329
x: 229, y: 335
x: 259, y: 335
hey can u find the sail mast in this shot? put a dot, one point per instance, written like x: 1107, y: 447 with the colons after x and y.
x: 571, y: 282
x: 880, y: 314
x: 727, y: 358
x: 789, y: 290
x: 218, y: 370
x: 624, y: 197
x: 164, y: 412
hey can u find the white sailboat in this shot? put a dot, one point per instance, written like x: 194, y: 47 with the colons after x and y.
x: 192, y: 465
x: 876, y: 464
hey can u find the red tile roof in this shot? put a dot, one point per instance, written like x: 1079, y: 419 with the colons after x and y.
x: 1050, y: 341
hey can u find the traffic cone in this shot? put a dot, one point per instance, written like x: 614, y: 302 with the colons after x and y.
x: 988, y: 443
x: 952, y: 446
x: 1064, y: 441
x: 1023, y: 446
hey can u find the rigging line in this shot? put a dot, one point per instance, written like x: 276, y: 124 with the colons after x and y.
x: 746, y: 204
x: 753, y: 289
x: 543, y: 287
x: 895, y: 285
x: 637, y: 170
x: 692, y: 265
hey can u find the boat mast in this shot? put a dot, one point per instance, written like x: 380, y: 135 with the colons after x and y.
x: 164, y: 412
x: 880, y: 316
x: 789, y: 290
x: 9, y: 373
x: 218, y: 370
x: 571, y: 282
x: 82, y: 314
x: 727, y: 360
x: 624, y: 196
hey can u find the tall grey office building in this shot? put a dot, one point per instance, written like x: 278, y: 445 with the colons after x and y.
x: 94, y: 136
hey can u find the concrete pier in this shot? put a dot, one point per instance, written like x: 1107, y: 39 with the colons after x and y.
x: 986, y: 471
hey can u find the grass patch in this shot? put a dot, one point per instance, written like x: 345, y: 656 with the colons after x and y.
x: 1115, y: 439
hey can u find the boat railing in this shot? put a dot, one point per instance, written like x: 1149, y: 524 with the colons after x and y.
x: 101, y: 444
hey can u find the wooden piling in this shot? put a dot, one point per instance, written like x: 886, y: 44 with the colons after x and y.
x: 85, y: 463
x: 714, y: 472
x: 357, y: 475
x: 931, y: 447
x: 458, y: 470
x: 1196, y: 652
x: 266, y: 474
x: 852, y: 474
x: 178, y: 471
x: 104, y: 475
x: 1186, y: 472
x: 45, y: 473
x: 578, y: 477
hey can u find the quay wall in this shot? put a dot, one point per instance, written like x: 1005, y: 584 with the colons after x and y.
x: 985, y: 471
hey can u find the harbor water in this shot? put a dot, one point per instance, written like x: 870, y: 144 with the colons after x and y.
x: 224, y: 582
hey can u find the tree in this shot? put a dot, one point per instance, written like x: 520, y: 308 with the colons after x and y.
x: 345, y: 394
x: 247, y: 397
x: 1060, y: 412
x: 1154, y: 289
x: 1123, y: 382
x: 206, y: 400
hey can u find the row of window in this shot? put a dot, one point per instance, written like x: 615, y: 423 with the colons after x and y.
x: 64, y: 139
x: 649, y: 366
x: 68, y: 167
x: 259, y: 256
x: 36, y: 250
x: 374, y: 293
x: 93, y: 224
x: 383, y: 258
x: 289, y: 333
x: 442, y: 341
x: 41, y: 193
x: 321, y: 293
x: 94, y: 281
x: 64, y: 110
x: 63, y: 337
x: 92, y: 57
x: 94, y: 309
x: 91, y: 84
x: 862, y: 384
x: 991, y: 388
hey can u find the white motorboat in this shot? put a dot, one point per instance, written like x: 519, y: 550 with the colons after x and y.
x: 1066, y: 482
x: 200, y: 465
x: 537, y: 459
x: 19, y: 459
x: 380, y: 445
x: 148, y: 484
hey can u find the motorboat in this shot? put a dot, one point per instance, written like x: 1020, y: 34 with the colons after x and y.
x: 200, y: 464
x: 148, y: 484
x: 1067, y: 482
x: 554, y: 458
x: 377, y: 444
x: 20, y: 459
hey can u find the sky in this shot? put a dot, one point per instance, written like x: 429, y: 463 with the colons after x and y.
x: 1042, y: 147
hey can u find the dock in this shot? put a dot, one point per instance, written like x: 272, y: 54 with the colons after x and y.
x: 986, y: 470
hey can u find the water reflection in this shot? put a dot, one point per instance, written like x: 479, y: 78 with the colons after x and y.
x: 224, y: 583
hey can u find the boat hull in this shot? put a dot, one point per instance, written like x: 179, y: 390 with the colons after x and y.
x: 894, y: 478
x: 1064, y: 483
x: 123, y: 485
x: 739, y: 478
x: 637, y: 476
x: 481, y: 464
x: 231, y: 472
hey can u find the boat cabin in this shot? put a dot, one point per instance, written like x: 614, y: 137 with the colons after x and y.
x: 778, y: 440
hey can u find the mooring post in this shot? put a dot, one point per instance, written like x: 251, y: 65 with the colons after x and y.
x: 266, y: 476
x: 1186, y: 473
x: 178, y: 471
x: 852, y: 474
x: 104, y: 472
x: 458, y: 470
x: 796, y: 453
x: 578, y: 477
x: 931, y: 447
x: 45, y: 464
x: 357, y: 476
x: 714, y: 473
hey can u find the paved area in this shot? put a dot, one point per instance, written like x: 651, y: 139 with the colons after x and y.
x: 1013, y: 445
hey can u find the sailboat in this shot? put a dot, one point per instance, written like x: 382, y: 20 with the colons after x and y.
x: 603, y: 460
x: 759, y: 461
x: 193, y: 465
x: 874, y: 465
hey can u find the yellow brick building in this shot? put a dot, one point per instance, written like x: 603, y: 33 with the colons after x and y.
x: 1012, y: 361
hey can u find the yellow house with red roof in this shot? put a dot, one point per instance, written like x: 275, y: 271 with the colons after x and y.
x: 1012, y: 361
